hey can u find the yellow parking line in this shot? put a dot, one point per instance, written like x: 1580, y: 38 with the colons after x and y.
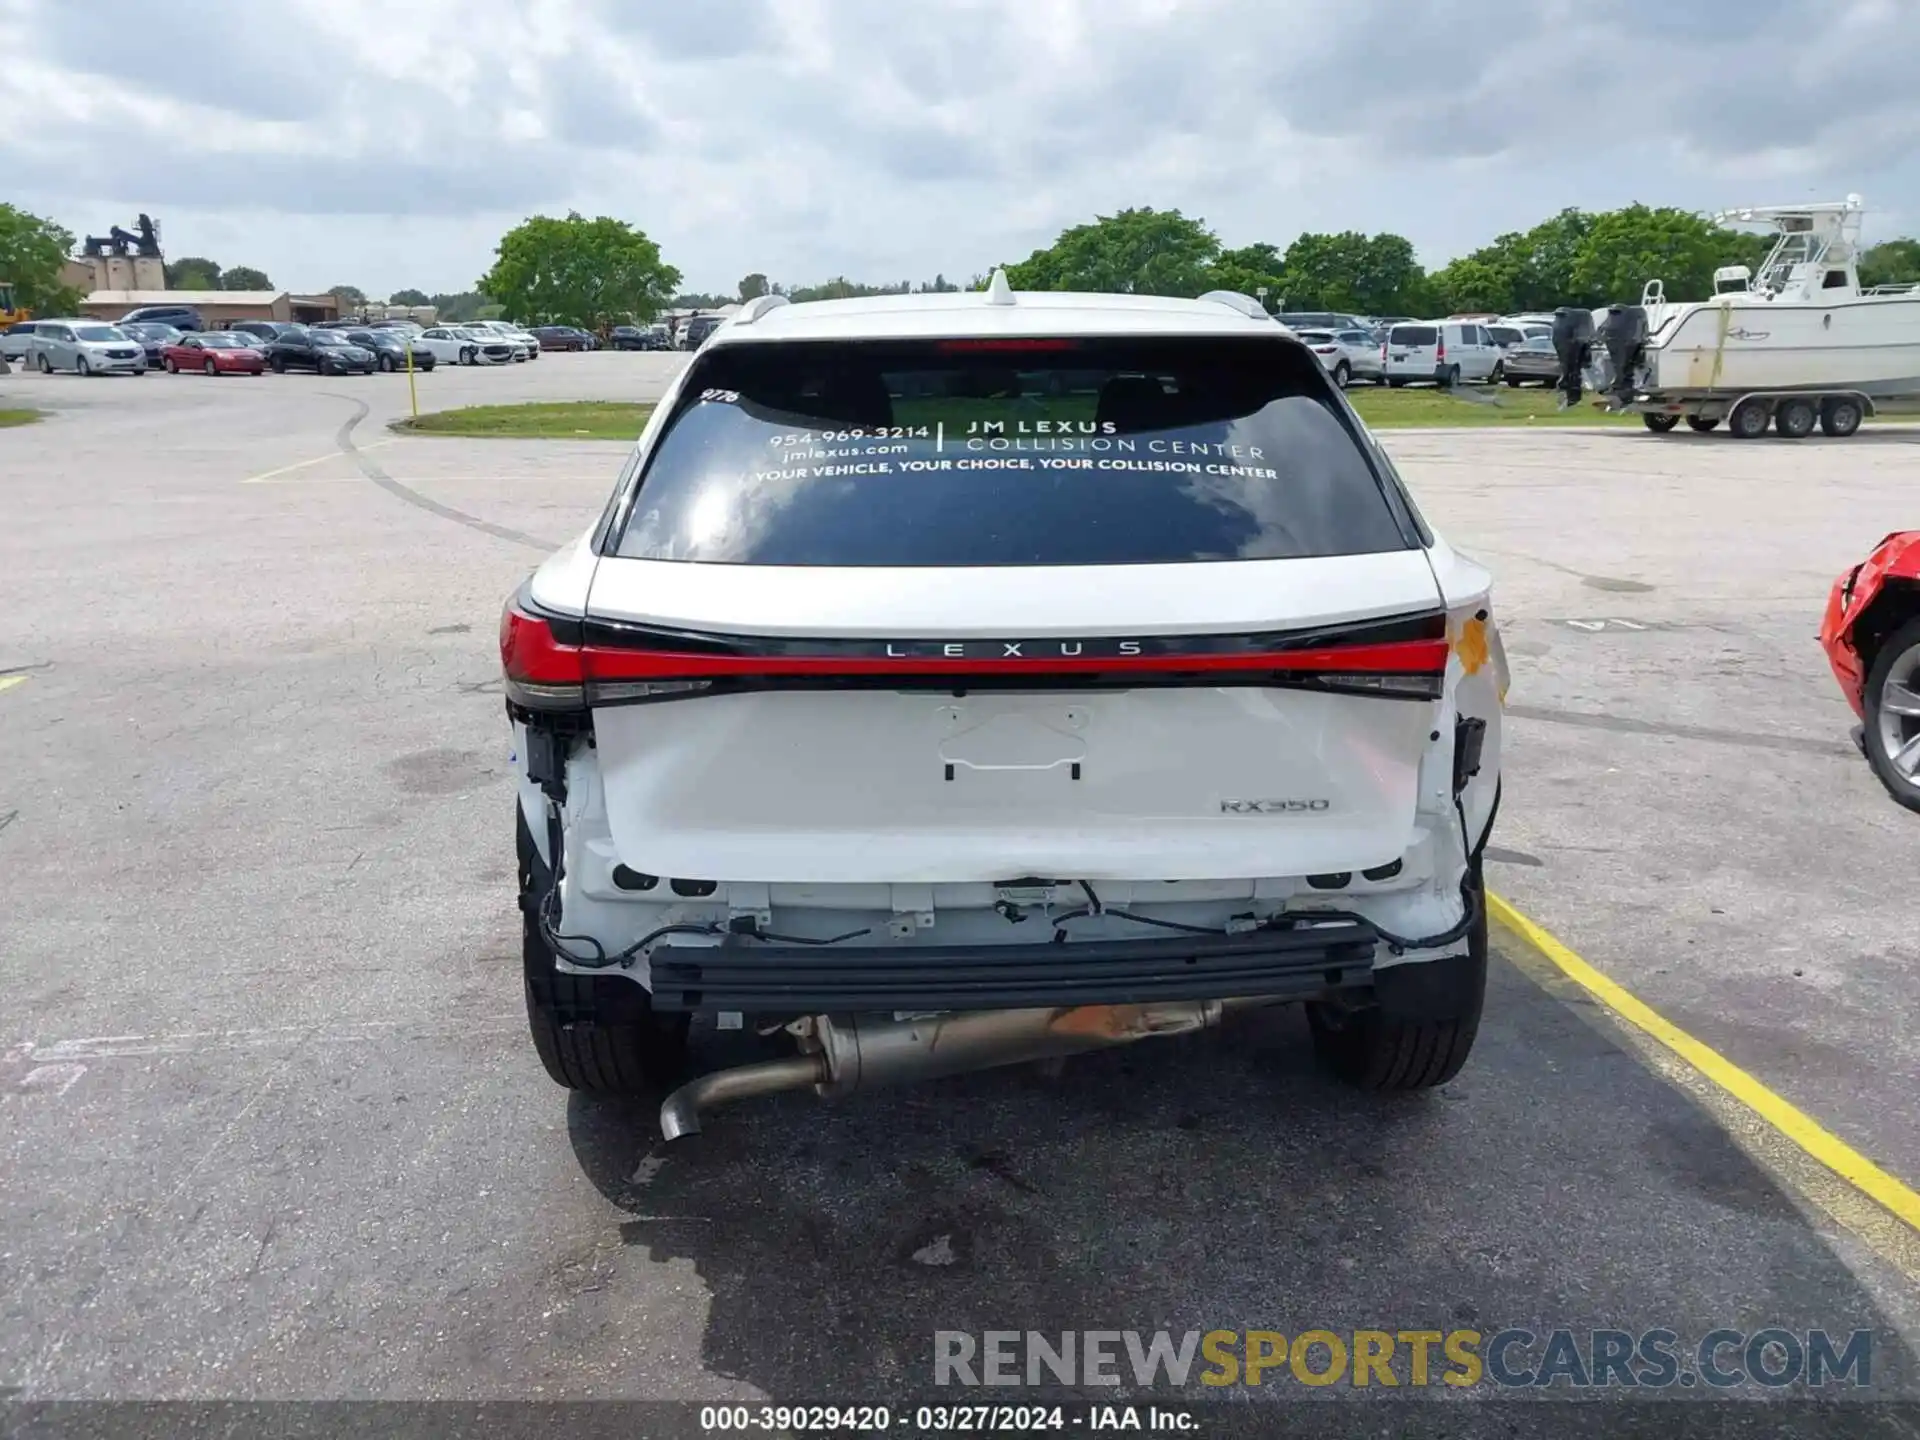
x: 7, y: 682
x: 304, y: 464
x: 1782, y: 1115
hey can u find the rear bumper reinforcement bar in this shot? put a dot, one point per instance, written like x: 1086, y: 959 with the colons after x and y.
x: 751, y: 977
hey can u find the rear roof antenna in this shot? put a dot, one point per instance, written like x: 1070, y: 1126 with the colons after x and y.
x: 999, y: 292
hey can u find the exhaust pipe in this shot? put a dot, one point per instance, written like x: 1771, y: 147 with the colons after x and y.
x: 851, y: 1053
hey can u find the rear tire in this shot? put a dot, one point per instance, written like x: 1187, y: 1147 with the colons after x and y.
x: 1702, y: 423
x: 1659, y: 424
x: 1513, y: 382
x: 46, y: 365
x: 1749, y: 419
x: 595, y: 1033
x: 1794, y: 419
x: 1840, y: 417
x: 1395, y: 384
x: 1450, y: 377
x: 1342, y: 374
x: 1422, y: 1025
x: 279, y: 363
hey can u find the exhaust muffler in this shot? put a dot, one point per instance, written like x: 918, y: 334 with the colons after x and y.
x: 848, y: 1053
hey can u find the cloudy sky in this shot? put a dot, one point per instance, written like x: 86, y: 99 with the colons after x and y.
x: 388, y: 143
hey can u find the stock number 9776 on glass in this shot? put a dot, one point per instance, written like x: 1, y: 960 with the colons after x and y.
x: 846, y: 1419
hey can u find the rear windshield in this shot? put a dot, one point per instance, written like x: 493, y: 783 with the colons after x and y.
x: 1030, y: 452
x: 1413, y: 335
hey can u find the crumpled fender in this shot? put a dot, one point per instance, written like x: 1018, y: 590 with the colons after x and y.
x: 1897, y: 556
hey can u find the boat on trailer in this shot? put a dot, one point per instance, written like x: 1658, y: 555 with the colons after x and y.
x: 1797, y: 345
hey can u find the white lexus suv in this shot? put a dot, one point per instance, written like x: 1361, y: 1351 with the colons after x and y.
x: 959, y: 680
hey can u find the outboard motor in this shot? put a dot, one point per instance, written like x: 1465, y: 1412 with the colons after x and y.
x: 1624, y: 334
x: 1572, y: 339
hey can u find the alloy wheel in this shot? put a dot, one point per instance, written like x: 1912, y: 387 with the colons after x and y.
x: 1899, y: 715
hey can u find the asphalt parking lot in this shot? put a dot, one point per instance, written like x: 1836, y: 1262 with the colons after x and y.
x: 272, y: 1126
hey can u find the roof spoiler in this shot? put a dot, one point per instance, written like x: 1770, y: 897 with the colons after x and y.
x: 756, y: 307
x: 1234, y: 300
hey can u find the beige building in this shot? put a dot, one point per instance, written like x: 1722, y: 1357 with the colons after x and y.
x: 219, y: 308
x: 88, y: 273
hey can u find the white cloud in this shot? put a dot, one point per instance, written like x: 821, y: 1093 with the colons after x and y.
x: 383, y: 145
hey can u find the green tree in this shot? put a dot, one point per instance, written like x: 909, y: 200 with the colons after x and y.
x: 753, y: 287
x: 32, y: 251
x: 409, y: 297
x: 458, y: 309
x: 1251, y: 269
x: 1484, y: 280
x: 351, y: 297
x: 245, y: 277
x: 695, y: 300
x: 193, y: 272
x: 1365, y: 274
x: 1628, y: 247
x: 1137, y: 252
x: 579, y: 271
x: 1892, y: 262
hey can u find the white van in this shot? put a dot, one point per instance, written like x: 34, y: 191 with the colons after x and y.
x: 1441, y: 352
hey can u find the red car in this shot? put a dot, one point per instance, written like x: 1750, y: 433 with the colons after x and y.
x: 213, y: 352
x: 1872, y: 638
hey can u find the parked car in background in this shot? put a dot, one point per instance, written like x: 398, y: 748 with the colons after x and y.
x: 526, y: 346
x: 324, y: 352
x: 1439, y: 352
x: 393, y: 349
x: 86, y: 347
x: 630, y: 337
x: 181, y: 317
x: 1349, y: 355
x: 16, y: 344
x: 213, y: 352
x: 458, y: 345
x: 1297, y: 320
x: 1531, y: 359
x: 1505, y: 336
x: 153, y: 337
x: 262, y: 330
x: 560, y: 337
x: 694, y: 333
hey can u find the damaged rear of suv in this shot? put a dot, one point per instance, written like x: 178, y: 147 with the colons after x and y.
x: 960, y: 680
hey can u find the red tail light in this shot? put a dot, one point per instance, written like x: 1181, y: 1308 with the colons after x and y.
x: 1441, y: 353
x: 547, y: 667
x: 542, y: 671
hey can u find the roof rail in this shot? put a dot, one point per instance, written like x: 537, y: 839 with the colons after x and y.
x: 756, y: 307
x: 1234, y: 300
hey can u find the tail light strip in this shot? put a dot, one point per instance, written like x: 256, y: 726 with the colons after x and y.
x: 553, y: 662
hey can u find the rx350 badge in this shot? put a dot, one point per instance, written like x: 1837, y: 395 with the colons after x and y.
x: 1274, y: 807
